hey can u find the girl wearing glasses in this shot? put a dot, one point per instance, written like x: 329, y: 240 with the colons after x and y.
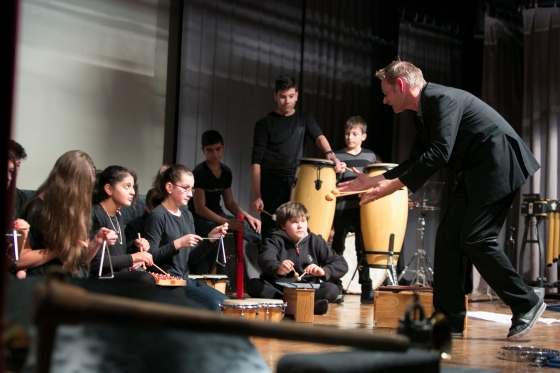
x: 171, y: 235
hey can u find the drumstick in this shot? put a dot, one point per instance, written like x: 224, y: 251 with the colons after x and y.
x: 297, y: 276
x: 273, y: 216
x: 143, y: 264
x: 350, y: 170
x: 331, y: 196
x: 165, y: 273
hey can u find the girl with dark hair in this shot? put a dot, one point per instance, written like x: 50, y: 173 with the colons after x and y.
x: 170, y: 232
x: 59, y: 218
x: 115, y: 187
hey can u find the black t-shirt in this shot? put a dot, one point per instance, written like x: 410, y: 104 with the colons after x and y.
x: 213, y: 187
x: 21, y: 198
x: 360, y: 160
x: 278, y: 141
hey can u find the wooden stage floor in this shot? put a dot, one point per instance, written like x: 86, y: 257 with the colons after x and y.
x: 479, y: 348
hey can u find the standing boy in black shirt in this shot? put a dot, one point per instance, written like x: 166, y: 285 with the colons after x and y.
x: 277, y: 144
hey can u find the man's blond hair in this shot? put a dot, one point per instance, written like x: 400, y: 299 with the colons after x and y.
x: 404, y: 70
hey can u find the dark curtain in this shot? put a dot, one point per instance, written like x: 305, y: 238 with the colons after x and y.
x: 232, y: 53
x: 437, y: 53
x: 502, y: 88
x: 342, y: 50
x: 541, y: 109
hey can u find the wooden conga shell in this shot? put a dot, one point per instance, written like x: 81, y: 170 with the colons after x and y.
x: 270, y: 309
x: 315, y: 178
x: 380, y: 219
x: 240, y: 308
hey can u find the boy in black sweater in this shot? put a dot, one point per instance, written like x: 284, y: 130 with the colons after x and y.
x: 293, y: 254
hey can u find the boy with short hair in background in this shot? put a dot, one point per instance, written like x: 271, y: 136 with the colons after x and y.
x: 213, y: 181
x: 347, y: 216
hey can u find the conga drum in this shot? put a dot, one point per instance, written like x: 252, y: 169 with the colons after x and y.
x: 315, y: 178
x: 240, y: 307
x: 270, y: 309
x: 379, y: 219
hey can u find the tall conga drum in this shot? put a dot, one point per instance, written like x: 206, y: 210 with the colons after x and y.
x: 379, y: 219
x: 315, y: 178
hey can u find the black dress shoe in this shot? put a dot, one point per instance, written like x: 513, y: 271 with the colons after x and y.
x: 522, y: 323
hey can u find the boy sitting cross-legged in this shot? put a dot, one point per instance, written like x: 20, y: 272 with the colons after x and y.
x: 293, y: 250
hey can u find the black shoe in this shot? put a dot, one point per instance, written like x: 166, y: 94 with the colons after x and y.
x: 367, y: 296
x: 339, y: 299
x: 321, y: 307
x: 522, y: 323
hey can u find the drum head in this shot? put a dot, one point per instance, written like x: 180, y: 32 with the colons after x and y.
x: 215, y: 277
x: 320, y: 161
x: 238, y: 303
x: 196, y: 277
x: 267, y: 301
x: 379, y: 166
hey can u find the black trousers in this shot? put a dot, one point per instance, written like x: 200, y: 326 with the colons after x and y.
x: 468, y: 231
x: 347, y: 221
x: 258, y: 288
x: 275, y: 191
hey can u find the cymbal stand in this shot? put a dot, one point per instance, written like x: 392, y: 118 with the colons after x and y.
x: 423, y: 274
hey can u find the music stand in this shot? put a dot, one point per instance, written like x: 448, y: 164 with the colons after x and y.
x: 428, y: 196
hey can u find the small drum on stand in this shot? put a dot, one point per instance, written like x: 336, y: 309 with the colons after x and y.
x: 270, y: 309
x: 380, y: 219
x: 314, y: 179
x: 218, y: 282
x: 240, y: 307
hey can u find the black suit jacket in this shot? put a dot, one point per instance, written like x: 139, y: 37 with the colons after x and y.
x: 461, y: 132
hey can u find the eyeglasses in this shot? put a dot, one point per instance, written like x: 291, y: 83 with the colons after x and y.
x: 185, y: 188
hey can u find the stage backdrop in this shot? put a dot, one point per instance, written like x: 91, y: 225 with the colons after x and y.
x: 232, y: 52
x: 91, y: 75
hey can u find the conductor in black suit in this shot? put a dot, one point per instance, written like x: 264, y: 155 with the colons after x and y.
x: 457, y: 130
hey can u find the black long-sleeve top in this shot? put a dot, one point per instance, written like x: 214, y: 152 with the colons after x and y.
x: 121, y: 257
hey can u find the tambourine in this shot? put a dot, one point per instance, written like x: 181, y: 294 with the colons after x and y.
x: 537, y: 355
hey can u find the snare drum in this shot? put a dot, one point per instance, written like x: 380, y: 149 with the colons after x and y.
x: 270, y: 309
x: 315, y: 178
x: 379, y: 219
x: 240, y: 307
x: 218, y: 282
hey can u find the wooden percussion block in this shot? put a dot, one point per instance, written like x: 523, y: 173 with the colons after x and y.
x: 300, y: 303
x: 389, y: 306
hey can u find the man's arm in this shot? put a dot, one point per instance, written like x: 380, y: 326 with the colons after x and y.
x: 323, y: 144
x: 257, y: 205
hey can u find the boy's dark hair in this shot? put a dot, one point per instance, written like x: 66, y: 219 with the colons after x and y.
x: 211, y: 137
x: 288, y: 211
x: 285, y: 82
x: 356, y: 121
x: 17, y: 149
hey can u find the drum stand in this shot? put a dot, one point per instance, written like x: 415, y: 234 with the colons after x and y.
x: 423, y: 274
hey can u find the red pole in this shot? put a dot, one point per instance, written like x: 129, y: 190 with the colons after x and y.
x: 240, y: 271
